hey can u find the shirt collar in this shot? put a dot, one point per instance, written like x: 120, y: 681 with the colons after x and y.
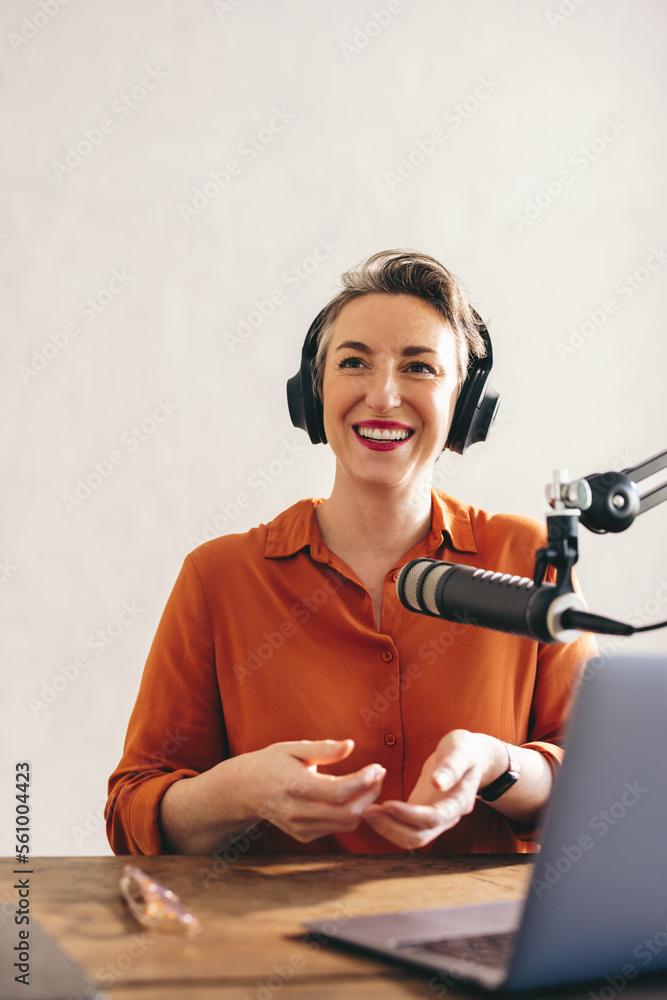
x: 296, y: 528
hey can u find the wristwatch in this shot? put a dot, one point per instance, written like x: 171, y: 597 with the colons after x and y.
x: 504, y: 782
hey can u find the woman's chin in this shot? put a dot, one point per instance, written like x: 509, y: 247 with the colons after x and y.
x: 363, y: 475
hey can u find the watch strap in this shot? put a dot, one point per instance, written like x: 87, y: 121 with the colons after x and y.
x: 505, y: 781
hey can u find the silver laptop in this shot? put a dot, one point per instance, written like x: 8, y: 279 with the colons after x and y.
x: 596, y: 908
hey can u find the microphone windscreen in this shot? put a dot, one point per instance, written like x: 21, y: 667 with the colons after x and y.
x: 417, y: 583
x: 429, y: 585
x: 407, y: 583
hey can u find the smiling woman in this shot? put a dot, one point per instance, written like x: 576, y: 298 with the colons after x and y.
x: 310, y: 704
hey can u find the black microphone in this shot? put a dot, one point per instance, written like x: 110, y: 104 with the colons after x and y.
x: 498, y: 601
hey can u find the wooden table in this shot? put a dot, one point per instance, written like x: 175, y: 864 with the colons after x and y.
x: 253, y: 946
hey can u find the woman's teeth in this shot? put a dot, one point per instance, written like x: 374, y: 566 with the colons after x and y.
x: 377, y: 434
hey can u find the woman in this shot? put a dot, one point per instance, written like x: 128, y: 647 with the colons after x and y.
x: 296, y: 695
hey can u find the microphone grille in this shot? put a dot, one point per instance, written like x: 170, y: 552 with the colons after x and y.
x: 429, y: 589
x: 408, y: 580
x: 414, y: 591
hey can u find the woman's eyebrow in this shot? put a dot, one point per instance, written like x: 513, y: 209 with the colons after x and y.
x: 407, y: 352
x: 411, y: 350
x: 354, y: 345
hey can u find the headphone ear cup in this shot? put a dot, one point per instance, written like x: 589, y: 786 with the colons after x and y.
x: 314, y: 412
x: 478, y: 401
x: 473, y: 415
x: 295, y: 402
x: 305, y: 406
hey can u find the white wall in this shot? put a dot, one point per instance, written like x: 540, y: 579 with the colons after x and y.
x: 352, y: 106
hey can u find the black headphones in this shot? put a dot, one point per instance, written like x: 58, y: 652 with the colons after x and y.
x: 474, y: 412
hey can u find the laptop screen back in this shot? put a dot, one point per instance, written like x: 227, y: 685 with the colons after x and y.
x: 600, y: 882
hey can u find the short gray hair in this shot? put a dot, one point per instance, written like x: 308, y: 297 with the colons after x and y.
x: 407, y: 272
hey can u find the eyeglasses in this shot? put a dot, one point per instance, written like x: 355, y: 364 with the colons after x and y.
x: 154, y: 906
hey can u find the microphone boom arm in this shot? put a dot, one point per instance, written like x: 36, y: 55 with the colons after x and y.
x: 643, y: 471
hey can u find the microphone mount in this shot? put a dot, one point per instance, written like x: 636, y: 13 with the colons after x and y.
x: 610, y: 501
x: 562, y: 548
x: 603, y: 502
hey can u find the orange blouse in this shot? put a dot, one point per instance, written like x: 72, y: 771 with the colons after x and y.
x: 268, y: 636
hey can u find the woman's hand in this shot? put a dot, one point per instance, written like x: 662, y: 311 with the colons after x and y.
x: 285, y: 787
x: 279, y: 783
x: 445, y: 790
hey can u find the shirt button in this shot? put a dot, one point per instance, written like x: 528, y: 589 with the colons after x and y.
x: 387, y: 655
x: 390, y: 739
x: 394, y: 576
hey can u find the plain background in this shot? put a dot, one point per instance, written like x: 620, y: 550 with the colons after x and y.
x: 342, y: 98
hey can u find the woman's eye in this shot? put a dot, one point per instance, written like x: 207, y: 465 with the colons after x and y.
x: 350, y: 363
x: 421, y: 366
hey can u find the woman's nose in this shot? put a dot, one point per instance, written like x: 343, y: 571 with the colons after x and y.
x: 383, y: 392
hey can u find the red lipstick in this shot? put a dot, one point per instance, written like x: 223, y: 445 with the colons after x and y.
x: 397, y: 434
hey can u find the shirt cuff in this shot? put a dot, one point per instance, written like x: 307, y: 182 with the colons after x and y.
x: 134, y: 817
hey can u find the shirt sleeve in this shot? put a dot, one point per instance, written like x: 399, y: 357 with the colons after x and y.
x: 176, y: 730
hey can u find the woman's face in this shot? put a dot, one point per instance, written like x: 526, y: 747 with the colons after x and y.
x: 389, y: 388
